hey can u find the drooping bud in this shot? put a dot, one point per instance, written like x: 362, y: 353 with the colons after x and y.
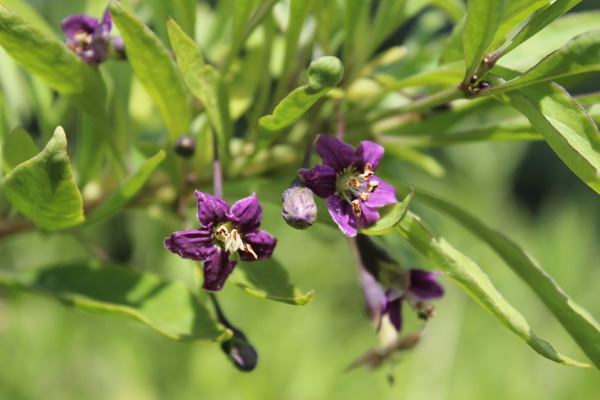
x: 299, y: 209
x: 241, y: 353
x: 185, y: 146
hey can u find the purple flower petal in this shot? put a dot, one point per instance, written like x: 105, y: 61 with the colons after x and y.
x: 384, y: 194
x: 196, y: 245
x: 262, y: 243
x: 335, y: 153
x: 320, y: 179
x: 424, y: 285
x: 216, y: 270
x: 341, y: 212
x: 373, y: 293
x: 76, y: 23
x: 368, y: 152
x: 369, y: 215
x: 394, y: 311
x: 246, y: 213
x: 211, y: 210
x: 106, y: 21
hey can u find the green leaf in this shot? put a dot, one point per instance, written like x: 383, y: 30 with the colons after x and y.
x: 539, y: 21
x: 515, y: 13
x: 127, y: 191
x: 156, y: 70
x: 241, y: 15
x: 483, y: 20
x: 269, y: 280
x: 169, y: 308
x: 51, y: 60
x: 415, y: 157
x: 565, y: 125
x: 204, y: 81
x: 30, y: 14
x: 43, y: 188
x: 389, y: 217
x: 578, y: 56
x: 17, y: 147
x: 551, y: 39
x: 576, y: 320
x: 324, y: 74
x: 476, y: 284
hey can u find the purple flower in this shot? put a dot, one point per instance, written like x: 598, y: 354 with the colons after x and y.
x: 226, y: 236
x: 88, y: 37
x: 422, y: 287
x: 347, y: 180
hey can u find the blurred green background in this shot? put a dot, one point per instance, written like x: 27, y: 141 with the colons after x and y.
x: 49, y: 351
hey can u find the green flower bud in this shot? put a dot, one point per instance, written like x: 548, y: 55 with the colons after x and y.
x: 324, y: 72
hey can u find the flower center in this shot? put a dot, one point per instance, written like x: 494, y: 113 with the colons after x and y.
x: 231, y: 240
x: 354, y: 186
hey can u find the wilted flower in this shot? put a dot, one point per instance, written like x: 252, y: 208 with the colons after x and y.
x: 386, y: 285
x: 88, y: 37
x: 299, y: 209
x: 347, y: 179
x: 422, y: 287
x: 227, y: 235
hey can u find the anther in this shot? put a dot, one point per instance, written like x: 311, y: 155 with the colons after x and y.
x: 364, y: 196
x: 372, y: 185
x: 368, y: 172
x: 249, y: 249
x: 356, y: 208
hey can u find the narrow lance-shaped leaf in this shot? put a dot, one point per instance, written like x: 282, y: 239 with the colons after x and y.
x: 168, y: 307
x: 51, y: 60
x: 539, y: 22
x: 565, y: 125
x: 156, y: 70
x: 297, y: 15
x: 577, y: 321
x: 205, y: 83
x: 474, y: 282
x: 43, y: 188
x: 269, y: 280
x: 483, y: 19
x: 127, y: 191
x: 324, y: 74
x: 578, y: 56
x: 515, y: 12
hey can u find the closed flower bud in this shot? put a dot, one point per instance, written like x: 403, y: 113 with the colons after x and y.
x: 185, y: 146
x: 240, y: 352
x: 299, y: 209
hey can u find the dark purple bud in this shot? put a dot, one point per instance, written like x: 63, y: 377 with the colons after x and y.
x: 185, y: 146
x: 483, y: 85
x: 241, y: 353
x: 299, y: 209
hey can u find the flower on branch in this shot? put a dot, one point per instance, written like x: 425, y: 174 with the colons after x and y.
x: 386, y: 285
x: 422, y: 288
x: 227, y: 235
x: 88, y: 37
x: 347, y: 180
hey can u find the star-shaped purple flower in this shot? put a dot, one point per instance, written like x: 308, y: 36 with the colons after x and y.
x: 226, y: 236
x: 88, y: 37
x: 346, y: 178
x: 422, y: 288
